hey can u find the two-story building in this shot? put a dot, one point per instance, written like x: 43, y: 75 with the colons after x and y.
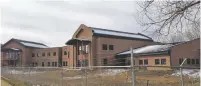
x: 92, y: 46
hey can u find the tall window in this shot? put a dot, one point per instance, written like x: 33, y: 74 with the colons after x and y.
x: 68, y: 54
x: 48, y: 64
x: 104, y: 47
x: 43, y: 64
x: 55, y: 64
x: 43, y: 54
x: 105, y: 61
x: 111, y: 47
x: 140, y: 62
x: 163, y: 61
x: 180, y: 60
x: 87, y: 48
x: 52, y: 64
x: 193, y: 61
x: 54, y: 54
x: 37, y: 54
x: 65, y: 53
x: 197, y: 61
x: 157, y: 61
x: 33, y: 55
x: 64, y: 63
x: 188, y: 61
x: 146, y: 62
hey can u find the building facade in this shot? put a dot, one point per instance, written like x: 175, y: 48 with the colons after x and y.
x: 164, y: 55
x: 92, y: 46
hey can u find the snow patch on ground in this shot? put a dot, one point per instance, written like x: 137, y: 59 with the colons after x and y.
x: 192, y: 73
x: 112, y: 72
x: 22, y: 72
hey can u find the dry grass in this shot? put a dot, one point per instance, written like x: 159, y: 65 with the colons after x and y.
x: 93, y: 78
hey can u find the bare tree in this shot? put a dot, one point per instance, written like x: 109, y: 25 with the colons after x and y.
x: 165, y: 18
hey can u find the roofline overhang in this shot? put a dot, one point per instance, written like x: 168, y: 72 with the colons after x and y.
x: 10, y: 49
x: 73, y: 41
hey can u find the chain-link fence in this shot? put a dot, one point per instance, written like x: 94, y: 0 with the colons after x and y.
x: 100, y: 76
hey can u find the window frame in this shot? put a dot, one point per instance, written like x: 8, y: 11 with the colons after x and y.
x: 163, y: 60
x: 104, y: 47
x: 157, y: 61
x: 146, y: 62
x: 193, y: 61
x: 54, y: 53
x: 105, y: 61
x: 111, y: 47
x: 140, y: 62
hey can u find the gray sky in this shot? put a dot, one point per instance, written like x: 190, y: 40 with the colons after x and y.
x: 53, y: 23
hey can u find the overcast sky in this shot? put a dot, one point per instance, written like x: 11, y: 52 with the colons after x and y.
x: 53, y: 23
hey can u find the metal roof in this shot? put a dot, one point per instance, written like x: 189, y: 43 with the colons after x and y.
x: 148, y: 49
x: 119, y: 33
x: 28, y: 43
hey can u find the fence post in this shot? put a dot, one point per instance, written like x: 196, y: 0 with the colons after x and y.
x: 181, y: 73
x: 147, y: 82
x: 132, y: 68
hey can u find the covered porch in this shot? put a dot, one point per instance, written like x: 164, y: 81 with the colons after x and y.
x: 81, y: 52
x: 11, y: 56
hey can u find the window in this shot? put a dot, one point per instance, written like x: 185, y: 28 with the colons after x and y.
x: 43, y: 54
x: 87, y: 48
x: 146, y: 62
x: 193, y: 61
x: 52, y: 64
x: 54, y: 53
x: 163, y: 61
x: 33, y: 55
x: 104, y: 61
x: 48, y: 64
x: 111, y: 47
x: 48, y: 54
x: 188, y: 61
x: 197, y: 61
x: 68, y: 54
x: 65, y: 53
x: 64, y: 63
x: 37, y: 54
x: 157, y: 61
x: 43, y: 64
x: 80, y: 48
x: 104, y: 47
x: 140, y: 62
x: 180, y: 61
x: 55, y: 64
x: 85, y: 62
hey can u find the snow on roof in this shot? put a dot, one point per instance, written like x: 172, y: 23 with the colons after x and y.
x: 148, y: 49
x: 118, y: 33
x: 33, y: 45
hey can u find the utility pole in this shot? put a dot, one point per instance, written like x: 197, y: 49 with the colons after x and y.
x: 132, y: 68
x: 182, y: 82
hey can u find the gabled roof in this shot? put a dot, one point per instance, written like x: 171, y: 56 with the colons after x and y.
x: 106, y: 32
x: 150, y: 49
x: 27, y: 43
